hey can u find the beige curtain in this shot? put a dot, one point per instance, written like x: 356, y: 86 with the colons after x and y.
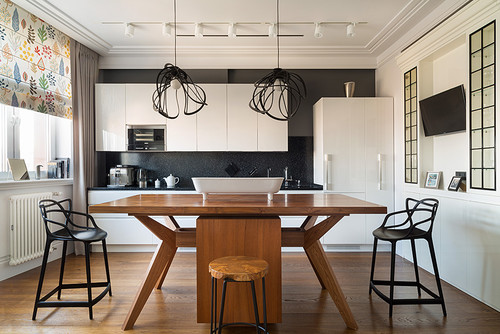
x: 84, y: 65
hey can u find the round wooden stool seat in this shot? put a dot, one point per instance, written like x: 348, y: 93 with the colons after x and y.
x: 238, y: 268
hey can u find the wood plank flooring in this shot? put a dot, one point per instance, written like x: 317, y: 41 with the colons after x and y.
x: 306, y: 307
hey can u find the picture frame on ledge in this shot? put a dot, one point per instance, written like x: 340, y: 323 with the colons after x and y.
x: 432, y: 180
x: 455, y: 183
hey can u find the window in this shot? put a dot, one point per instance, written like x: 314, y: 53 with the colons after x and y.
x: 410, y: 94
x: 33, y: 136
x: 482, y: 108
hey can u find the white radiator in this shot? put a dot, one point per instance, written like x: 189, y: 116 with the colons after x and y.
x: 27, y: 230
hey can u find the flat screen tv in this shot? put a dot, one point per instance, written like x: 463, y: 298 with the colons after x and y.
x: 444, y: 112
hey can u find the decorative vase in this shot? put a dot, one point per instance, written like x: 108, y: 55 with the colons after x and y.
x: 349, y: 88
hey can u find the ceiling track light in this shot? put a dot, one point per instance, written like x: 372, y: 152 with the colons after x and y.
x: 272, y: 30
x: 318, y: 30
x: 231, y: 30
x: 198, y: 30
x: 350, y: 29
x: 166, y: 29
x: 129, y: 30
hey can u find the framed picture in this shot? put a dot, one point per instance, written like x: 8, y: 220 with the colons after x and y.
x: 455, y: 183
x: 432, y: 179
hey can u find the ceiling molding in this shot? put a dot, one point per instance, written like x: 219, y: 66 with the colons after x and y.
x: 52, y: 15
x: 464, y: 22
x: 431, y: 21
x: 239, y: 61
x: 398, y: 21
x: 269, y: 51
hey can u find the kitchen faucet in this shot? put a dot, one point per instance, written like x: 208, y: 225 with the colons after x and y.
x: 268, y: 171
x: 286, y: 176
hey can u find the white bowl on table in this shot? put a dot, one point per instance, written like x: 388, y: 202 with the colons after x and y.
x: 237, y: 185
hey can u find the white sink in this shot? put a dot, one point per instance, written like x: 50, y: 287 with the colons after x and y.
x: 237, y: 185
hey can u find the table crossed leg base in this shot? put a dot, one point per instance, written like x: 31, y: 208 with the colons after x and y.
x: 307, y: 236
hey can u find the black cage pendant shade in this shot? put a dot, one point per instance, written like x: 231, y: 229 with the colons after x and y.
x: 280, y: 86
x: 185, y: 91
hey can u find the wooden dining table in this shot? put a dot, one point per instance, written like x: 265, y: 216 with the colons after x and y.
x: 239, y: 224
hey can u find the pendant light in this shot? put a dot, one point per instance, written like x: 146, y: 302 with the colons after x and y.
x: 172, y: 77
x: 280, y: 86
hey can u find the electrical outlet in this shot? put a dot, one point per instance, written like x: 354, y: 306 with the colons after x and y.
x: 461, y: 174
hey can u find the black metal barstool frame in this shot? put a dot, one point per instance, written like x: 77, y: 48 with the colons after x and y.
x: 426, y: 205
x: 214, y: 328
x: 51, y: 206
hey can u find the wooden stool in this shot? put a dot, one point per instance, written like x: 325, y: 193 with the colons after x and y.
x: 237, y: 269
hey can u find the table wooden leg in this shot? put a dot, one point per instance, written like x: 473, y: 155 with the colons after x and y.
x: 319, y: 261
x: 158, y: 263
x: 158, y: 266
x: 165, y: 271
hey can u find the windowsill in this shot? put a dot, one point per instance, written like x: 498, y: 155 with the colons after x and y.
x: 11, y: 184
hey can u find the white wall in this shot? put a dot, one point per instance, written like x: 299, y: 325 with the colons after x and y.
x: 467, y: 228
x: 8, y: 189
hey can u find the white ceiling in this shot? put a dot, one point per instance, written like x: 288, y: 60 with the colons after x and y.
x: 100, y: 25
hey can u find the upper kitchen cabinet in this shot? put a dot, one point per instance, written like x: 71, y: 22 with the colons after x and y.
x: 139, y: 105
x: 204, y: 131
x: 248, y: 130
x: 110, y: 130
x: 272, y: 135
x: 211, y: 121
x: 241, y: 120
x: 181, y: 131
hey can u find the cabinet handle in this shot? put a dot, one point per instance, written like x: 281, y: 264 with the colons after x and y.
x: 327, y: 171
x: 379, y: 176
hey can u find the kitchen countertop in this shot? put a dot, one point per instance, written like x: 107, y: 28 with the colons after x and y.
x: 292, y: 186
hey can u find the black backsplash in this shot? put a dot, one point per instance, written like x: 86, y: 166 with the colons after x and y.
x: 298, y: 159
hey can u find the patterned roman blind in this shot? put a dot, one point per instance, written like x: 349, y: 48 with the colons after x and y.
x: 35, y: 68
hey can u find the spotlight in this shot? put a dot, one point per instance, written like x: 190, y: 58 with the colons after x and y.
x: 350, y: 29
x: 129, y: 30
x: 198, y: 30
x: 166, y: 30
x: 318, y: 30
x: 272, y: 30
x: 231, y: 30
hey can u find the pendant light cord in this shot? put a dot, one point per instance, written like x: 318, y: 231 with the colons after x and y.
x: 278, y: 29
x: 175, y: 32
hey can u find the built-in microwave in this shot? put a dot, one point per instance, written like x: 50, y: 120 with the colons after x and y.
x: 141, y: 138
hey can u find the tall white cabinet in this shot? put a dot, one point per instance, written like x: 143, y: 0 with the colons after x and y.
x: 353, y: 155
x: 110, y: 129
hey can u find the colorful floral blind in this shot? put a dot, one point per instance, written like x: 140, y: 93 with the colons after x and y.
x: 35, y: 68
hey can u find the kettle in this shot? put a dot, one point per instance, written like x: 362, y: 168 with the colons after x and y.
x: 171, y: 181
x: 142, y: 178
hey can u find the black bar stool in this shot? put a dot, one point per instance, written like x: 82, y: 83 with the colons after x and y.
x: 419, y: 213
x: 69, y: 231
x: 237, y: 269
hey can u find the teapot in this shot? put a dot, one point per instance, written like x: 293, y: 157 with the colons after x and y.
x: 171, y: 181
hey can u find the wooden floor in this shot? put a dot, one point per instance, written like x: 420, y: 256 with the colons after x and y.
x: 306, y: 308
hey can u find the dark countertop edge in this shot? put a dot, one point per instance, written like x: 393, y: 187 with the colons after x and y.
x: 305, y: 187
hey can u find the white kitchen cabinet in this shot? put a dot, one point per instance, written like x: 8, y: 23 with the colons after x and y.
x: 379, y: 159
x: 181, y: 131
x: 241, y: 120
x: 248, y: 130
x: 139, y: 105
x: 110, y: 130
x: 211, y: 121
x: 272, y: 135
x: 353, y: 155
